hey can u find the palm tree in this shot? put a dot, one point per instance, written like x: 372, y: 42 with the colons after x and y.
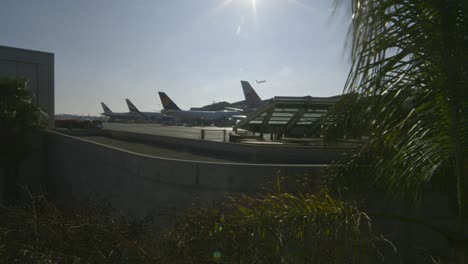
x: 411, y: 59
x: 19, y: 117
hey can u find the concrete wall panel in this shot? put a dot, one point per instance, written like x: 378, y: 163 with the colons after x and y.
x: 139, y: 184
x: 30, y: 56
x: 7, y: 69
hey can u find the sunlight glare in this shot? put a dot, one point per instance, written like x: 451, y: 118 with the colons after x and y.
x: 254, y: 8
x: 226, y: 3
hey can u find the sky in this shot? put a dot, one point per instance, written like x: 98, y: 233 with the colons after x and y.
x: 196, y: 51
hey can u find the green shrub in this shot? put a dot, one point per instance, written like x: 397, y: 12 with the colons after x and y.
x: 281, y: 228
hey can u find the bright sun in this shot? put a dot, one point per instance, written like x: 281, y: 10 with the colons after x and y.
x: 253, y: 4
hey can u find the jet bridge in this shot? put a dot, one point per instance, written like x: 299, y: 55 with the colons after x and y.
x: 297, y: 117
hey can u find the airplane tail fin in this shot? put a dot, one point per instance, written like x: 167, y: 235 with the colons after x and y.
x: 251, y: 97
x: 105, y: 108
x: 167, y: 103
x: 132, y: 108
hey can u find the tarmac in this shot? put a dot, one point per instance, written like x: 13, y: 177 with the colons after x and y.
x: 212, y: 133
x: 285, y: 153
x: 154, y: 150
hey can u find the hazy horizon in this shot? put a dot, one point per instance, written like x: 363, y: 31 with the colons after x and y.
x: 195, y: 51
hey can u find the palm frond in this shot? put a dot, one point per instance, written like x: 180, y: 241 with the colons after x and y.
x: 410, y: 60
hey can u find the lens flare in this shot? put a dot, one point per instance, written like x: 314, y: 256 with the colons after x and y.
x: 217, y: 254
x: 226, y: 3
x: 254, y: 8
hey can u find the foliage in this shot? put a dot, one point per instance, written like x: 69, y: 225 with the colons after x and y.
x: 39, y: 233
x: 410, y: 61
x: 410, y: 58
x: 281, y: 228
x: 343, y: 119
x: 18, y: 117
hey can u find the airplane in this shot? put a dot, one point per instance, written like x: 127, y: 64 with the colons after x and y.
x: 252, y: 100
x: 262, y: 81
x: 170, y: 108
x: 129, y: 116
x: 150, y: 116
x: 251, y: 97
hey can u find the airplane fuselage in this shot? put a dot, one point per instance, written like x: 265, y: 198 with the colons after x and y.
x: 208, y: 116
x: 121, y: 115
x: 153, y: 115
x: 124, y: 117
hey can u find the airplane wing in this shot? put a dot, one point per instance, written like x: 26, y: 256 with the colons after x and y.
x: 238, y: 117
x: 234, y: 109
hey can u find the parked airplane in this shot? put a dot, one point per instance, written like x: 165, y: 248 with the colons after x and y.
x: 252, y: 100
x: 149, y: 116
x: 129, y: 116
x: 196, y: 116
x: 251, y: 97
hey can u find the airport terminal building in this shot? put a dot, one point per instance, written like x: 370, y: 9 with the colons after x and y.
x: 37, y: 67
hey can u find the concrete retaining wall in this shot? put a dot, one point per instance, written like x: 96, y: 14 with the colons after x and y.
x: 138, y: 184
x: 31, y: 170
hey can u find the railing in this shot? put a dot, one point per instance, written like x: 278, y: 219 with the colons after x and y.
x: 203, y: 133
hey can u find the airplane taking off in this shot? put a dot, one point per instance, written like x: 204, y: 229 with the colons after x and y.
x: 117, y: 116
x: 170, y: 108
x: 151, y: 116
x: 262, y: 81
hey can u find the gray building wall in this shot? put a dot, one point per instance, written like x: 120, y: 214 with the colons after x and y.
x: 37, y: 67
